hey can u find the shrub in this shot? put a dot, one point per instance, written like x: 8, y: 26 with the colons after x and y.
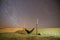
x: 21, y: 32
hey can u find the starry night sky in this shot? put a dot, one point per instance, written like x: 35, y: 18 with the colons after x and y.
x: 17, y: 13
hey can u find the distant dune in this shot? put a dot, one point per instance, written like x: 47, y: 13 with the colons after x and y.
x: 15, y: 29
x: 10, y: 29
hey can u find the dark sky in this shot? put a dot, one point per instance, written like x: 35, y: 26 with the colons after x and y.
x: 17, y: 13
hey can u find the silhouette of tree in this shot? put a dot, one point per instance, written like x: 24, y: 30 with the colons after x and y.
x: 29, y: 31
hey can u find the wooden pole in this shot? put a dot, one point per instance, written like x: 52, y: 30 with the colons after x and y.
x: 36, y: 26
